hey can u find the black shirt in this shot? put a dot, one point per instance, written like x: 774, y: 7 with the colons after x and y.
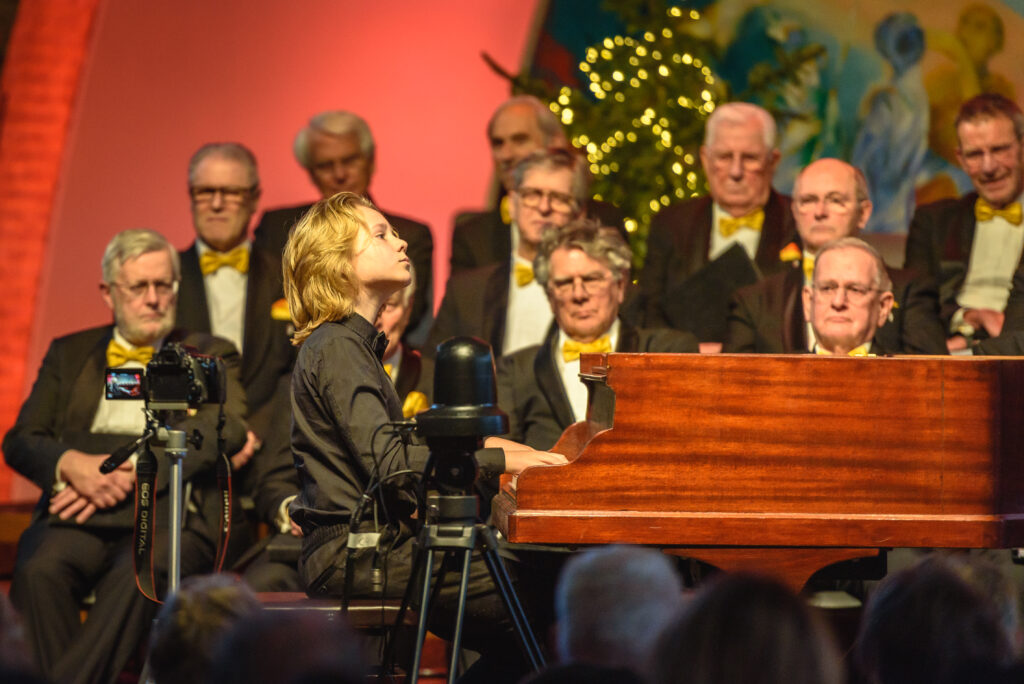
x: 341, y: 395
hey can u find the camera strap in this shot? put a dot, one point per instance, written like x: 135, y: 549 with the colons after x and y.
x: 145, y: 522
x: 224, y: 489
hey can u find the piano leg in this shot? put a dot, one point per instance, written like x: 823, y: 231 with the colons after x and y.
x: 793, y: 566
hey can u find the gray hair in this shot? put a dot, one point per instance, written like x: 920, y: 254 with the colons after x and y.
x: 236, y: 152
x: 549, y: 125
x: 335, y: 123
x: 553, y: 160
x: 882, y: 282
x: 612, y: 602
x: 133, y: 243
x: 741, y: 113
x: 600, y: 243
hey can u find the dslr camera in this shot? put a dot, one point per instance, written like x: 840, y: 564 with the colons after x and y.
x: 176, y: 379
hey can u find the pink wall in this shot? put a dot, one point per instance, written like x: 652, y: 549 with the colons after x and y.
x: 165, y: 76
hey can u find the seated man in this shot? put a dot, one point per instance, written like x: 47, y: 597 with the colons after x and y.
x: 972, y: 245
x: 502, y: 303
x: 830, y: 201
x: 849, y: 298
x: 701, y: 250
x: 520, y: 126
x: 80, y: 539
x: 337, y: 150
x: 273, y: 568
x: 584, y: 270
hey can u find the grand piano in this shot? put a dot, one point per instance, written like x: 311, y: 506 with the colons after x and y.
x: 783, y: 464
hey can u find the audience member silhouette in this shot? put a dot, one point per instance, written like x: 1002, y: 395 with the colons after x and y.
x: 191, y: 624
x: 745, y: 628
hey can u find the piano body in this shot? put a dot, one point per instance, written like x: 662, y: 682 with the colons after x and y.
x: 783, y: 464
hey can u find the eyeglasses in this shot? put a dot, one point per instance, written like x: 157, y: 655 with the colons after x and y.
x: 204, y: 194
x: 723, y: 159
x: 591, y: 284
x: 837, y: 202
x: 141, y: 289
x: 558, y: 201
x: 855, y: 292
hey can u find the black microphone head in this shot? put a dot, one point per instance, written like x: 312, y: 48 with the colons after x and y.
x: 465, y: 392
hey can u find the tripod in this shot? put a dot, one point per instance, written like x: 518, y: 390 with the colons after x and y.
x: 451, y: 528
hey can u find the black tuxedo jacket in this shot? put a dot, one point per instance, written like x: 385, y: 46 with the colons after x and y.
x: 59, y: 412
x: 272, y: 233
x: 475, y: 303
x: 530, y: 387
x: 939, y: 244
x: 768, y: 317
x: 268, y: 355
x: 482, y: 238
x: 678, y: 279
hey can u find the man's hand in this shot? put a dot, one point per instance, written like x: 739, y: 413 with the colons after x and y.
x: 989, y: 319
x: 82, y: 472
x: 245, y: 454
x: 68, y: 502
x: 296, y: 531
x: 956, y: 343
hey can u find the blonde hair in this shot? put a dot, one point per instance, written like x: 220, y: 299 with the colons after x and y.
x: 319, y: 281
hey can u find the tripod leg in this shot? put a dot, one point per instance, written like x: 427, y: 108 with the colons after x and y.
x: 508, y: 596
x: 460, y: 616
x: 421, y: 629
x: 388, y: 660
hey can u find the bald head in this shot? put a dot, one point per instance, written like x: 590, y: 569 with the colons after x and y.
x: 830, y: 201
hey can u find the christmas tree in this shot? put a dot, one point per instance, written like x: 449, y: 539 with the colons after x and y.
x: 640, y: 119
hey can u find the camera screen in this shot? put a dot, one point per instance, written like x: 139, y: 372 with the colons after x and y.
x: 124, y: 383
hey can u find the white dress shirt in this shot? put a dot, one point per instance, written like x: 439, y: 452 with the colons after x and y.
x: 995, y: 253
x: 747, y: 237
x: 569, y: 371
x: 528, y: 315
x: 225, y: 299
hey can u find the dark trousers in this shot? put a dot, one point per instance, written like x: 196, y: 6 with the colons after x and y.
x: 58, y: 567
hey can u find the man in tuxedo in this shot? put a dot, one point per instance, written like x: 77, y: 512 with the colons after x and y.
x: 229, y: 287
x: 701, y: 250
x: 830, y: 201
x: 233, y: 289
x: 519, y: 127
x: 337, y: 150
x: 972, y: 245
x: 848, y: 298
x: 584, y: 270
x: 80, y: 538
x: 502, y: 303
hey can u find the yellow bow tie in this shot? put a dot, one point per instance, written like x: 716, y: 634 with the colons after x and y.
x: 862, y: 350
x: 415, y: 402
x: 808, y: 269
x: 388, y: 367
x: 117, y: 354
x: 506, y: 213
x: 211, y: 261
x: 524, y: 274
x: 572, y: 349
x: 983, y: 211
x: 727, y: 225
